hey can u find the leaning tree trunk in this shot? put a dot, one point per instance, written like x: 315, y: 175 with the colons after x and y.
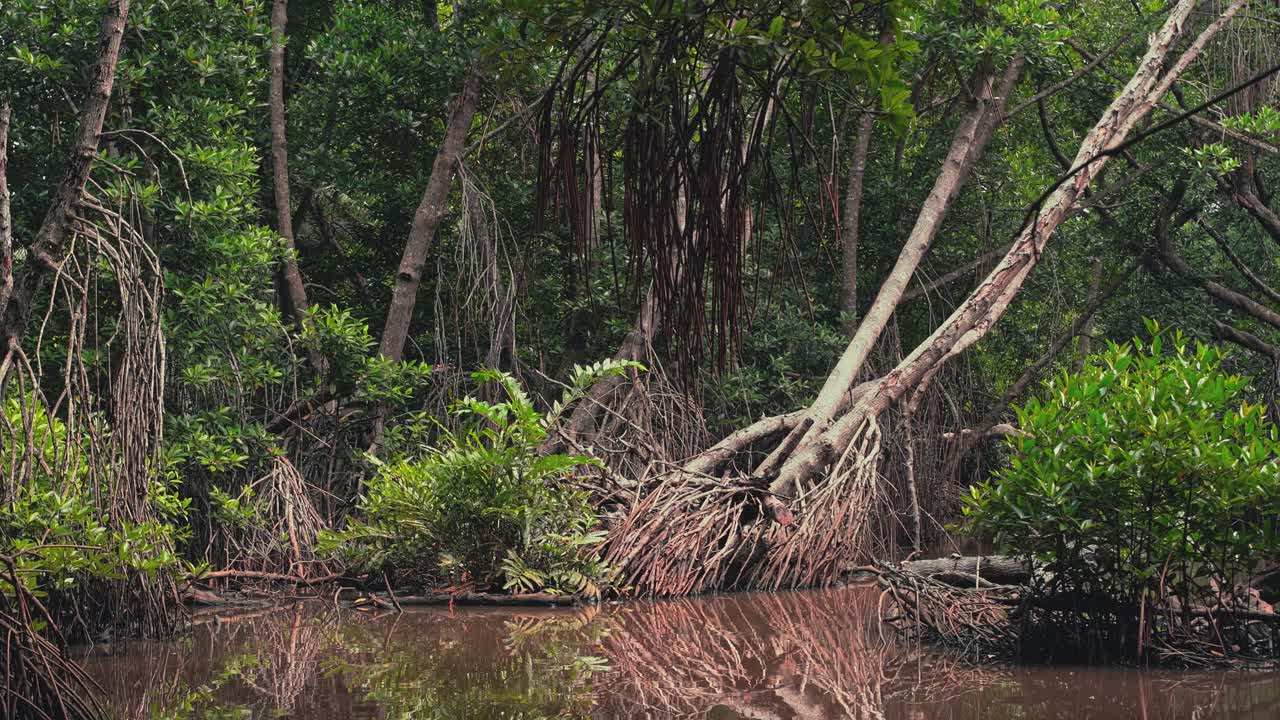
x: 784, y: 465
x: 45, y: 253
x: 699, y: 532
x: 426, y: 220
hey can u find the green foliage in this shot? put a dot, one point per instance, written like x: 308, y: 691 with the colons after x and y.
x: 54, y: 525
x: 1144, y: 472
x: 484, y: 504
x: 786, y: 358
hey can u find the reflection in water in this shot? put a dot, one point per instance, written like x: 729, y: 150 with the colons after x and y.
x: 788, y: 655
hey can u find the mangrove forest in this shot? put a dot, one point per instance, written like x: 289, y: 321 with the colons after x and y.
x: 911, y: 359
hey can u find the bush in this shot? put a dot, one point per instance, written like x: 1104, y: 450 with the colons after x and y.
x: 483, y: 505
x: 1143, y: 477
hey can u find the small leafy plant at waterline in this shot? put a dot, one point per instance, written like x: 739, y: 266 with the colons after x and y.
x: 1144, y: 482
x: 484, y: 506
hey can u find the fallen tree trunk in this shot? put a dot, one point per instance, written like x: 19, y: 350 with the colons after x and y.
x: 999, y: 569
x: 471, y: 598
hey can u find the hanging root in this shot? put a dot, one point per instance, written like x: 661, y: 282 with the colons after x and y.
x: 695, y: 532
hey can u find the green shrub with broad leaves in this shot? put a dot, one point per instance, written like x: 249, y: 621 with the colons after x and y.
x: 1145, y: 476
x: 484, y: 505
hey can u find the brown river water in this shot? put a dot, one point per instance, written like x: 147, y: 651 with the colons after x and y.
x: 816, y: 654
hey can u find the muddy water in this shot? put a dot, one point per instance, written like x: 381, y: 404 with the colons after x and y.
x: 789, y: 655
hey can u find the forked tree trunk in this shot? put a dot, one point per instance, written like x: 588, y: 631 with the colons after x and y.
x: 967, y: 146
x: 45, y: 252
x: 426, y: 220
x: 975, y: 317
x: 981, y: 310
x: 696, y: 531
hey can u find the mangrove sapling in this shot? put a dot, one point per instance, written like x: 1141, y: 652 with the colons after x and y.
x: 1140, y: 488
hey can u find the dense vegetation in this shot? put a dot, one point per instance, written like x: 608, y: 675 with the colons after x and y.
x: 291, y: 290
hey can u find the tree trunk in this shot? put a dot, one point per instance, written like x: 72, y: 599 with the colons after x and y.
x: 426, y: 220
x: 294, y: 300
x: 692, y: 533
x: 967, y: 146
x: 6, y: 226
x: 1085, y: 344
x: 975, y: 317
x: 45, y: 252
x: 850, y: 219
x: 995, y: 568
x: 852, y: 212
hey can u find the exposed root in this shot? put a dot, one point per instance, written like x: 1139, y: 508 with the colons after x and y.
x: 696, y: 533
x: 932, y: 609
x: 281, y: 541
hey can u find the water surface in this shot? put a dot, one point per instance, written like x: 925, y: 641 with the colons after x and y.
x: 804, y: 655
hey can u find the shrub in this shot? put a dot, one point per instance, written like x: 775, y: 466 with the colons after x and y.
x: 484, y: 505
x: 1145, y: 476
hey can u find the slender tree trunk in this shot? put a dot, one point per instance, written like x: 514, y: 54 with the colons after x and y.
x: 851, y: 216
x: 1085, y: 344
x: 44, y: 253
x: 850, y: 220
x: 426, y: 220
x: 295, y: 293
x: 6, y: 223
x: 967, y: 146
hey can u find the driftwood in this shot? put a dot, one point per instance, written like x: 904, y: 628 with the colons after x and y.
x: 997, y: 569
x: 969, y: 571
x: 469, y: 598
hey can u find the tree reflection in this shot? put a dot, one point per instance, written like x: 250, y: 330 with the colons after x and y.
x: 799, y: 655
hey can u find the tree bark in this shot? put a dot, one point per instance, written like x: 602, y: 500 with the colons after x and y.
x: 1085, y: 344
x: 967, y: 147
x: 426, y: 220
x: 995, y: 568
x: 295, y: 293
x: 850, y: 219
x: 962, y: 271
x: 6, y: 223
x: 44, y: 253
x: 970, y: 437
